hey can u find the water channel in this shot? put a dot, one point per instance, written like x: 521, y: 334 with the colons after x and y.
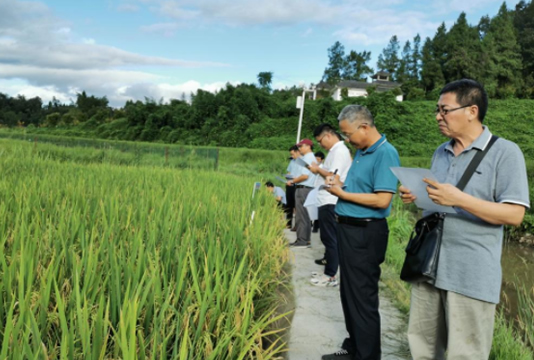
x: 518, y: 268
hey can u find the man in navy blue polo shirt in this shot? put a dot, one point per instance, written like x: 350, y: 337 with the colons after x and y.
x: 362, y: 231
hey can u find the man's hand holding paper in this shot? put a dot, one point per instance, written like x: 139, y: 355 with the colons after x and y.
x: 419, y: 186
x: 443, y: 194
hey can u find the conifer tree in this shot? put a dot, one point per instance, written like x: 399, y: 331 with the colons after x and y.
x: 503, y: 76
x: 524, y: 23
x: 356, y: 67
x: 403, y: 72
x: 389, y: 59
x: 464, y: 52
x: 336, y: 63
x: 415, y: 64
x: 431, y: 73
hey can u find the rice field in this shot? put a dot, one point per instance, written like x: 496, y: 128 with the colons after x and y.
x: 99, y: 261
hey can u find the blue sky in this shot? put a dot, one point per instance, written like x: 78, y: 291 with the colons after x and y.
x: 129, y: 49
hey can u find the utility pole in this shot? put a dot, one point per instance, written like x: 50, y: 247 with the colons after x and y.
x: 300, y: 105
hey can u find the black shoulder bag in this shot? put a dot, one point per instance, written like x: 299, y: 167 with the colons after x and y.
x: 422, y: 251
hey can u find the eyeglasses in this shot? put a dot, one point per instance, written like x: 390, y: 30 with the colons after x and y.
x: 347, y: 136
x: 444, y: 112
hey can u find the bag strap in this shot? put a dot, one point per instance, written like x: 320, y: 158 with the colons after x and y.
x: 474, y: 164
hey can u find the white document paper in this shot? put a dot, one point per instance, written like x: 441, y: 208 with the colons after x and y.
x: 313, y: 211
x: 311, y: 199
x: 289, y: 176
x: 311, y: 204
x: 412, y: 178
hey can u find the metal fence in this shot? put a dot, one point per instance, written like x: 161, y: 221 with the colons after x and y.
x: 178, y: 156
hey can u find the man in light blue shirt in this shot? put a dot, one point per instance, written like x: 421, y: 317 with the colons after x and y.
x: 290, y: 189
x: 303, y: 183
x: 277, y: 192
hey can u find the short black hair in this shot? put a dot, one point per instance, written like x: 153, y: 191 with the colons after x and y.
x: 319, y: 154
x: 325, y: 128
x: 469, y: 92
x: 294, y: 148
x: 269, y: 184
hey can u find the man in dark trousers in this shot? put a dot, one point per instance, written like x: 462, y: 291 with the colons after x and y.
x: 290, y: 189
x: 362, y: 231
x: 338, y: 161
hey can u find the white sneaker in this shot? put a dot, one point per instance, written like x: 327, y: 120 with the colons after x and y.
x: 324, y: 280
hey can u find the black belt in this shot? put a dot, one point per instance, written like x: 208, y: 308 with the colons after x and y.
x: 356, y: 221
x: 302, y: 187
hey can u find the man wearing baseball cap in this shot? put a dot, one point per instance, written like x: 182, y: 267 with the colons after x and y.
x: 303, y: 184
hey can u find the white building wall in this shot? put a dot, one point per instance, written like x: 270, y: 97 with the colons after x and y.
x: 336, y: 95
x: 357, y: 92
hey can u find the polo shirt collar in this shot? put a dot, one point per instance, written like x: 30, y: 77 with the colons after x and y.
x: 480, y: 142
x: 376, y: 145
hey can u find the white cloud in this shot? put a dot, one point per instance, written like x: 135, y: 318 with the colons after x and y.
x: 377, y: 30
x: 166, y: 29
x: 46, y: 93
x: 247, y: 12
x: 83, y: 56
x: 308, y: 32
x: 173, y: 9
x: 128, y: 8
x: 358, y: 21
x: 64, y: 31
x: 164, y: 91
x: 40, y: 51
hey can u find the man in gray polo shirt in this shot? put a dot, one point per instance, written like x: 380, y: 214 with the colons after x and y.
x: 303, y: 184
x: 456, y: 312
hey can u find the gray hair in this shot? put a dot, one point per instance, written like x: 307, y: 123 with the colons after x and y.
x: 356, y: 113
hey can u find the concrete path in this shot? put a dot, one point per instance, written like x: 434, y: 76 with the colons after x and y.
x: 318, y: 327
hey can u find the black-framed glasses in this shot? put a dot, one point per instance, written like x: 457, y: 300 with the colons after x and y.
x: 347, y: 136
x: 444, y: 112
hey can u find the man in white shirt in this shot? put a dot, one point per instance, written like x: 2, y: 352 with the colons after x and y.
x: 337, y: 162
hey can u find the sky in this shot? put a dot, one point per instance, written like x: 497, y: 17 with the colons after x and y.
x: 164, y: 49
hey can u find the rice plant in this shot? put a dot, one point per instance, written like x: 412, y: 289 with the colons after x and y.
x: 99, y: 261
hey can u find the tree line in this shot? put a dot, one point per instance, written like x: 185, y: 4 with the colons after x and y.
x: 498, y: 52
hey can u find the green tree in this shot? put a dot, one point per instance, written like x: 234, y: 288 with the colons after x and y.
x: 503, y: 73
x: 403, y: 71
x: 336, y: 63
x: 415, y: 64
x: 90, y: 105
x: 265, y: 79
x: 464, y: 52
x: 53, y: 119
x: 431, y: 73
x: 524, y: 24
x: 389, y: 59
x: 355, y: 66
